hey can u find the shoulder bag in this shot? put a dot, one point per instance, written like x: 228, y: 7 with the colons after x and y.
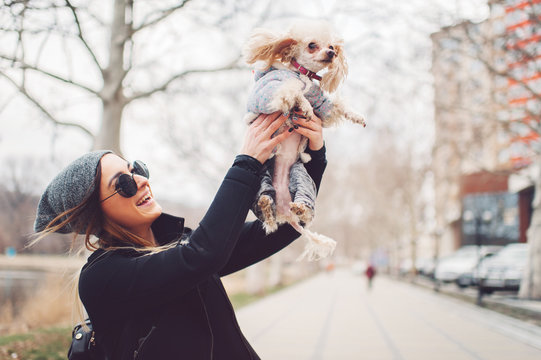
x: 83, y: 344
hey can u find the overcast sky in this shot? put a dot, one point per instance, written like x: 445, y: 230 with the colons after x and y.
x: 389, y: 82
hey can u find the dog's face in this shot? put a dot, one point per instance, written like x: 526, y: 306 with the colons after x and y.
x: 316, y: 48
x: 313, y: 44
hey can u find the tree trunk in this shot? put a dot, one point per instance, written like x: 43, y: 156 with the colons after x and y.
x: 276, y: 270
x: 109, y: 134
x: 255, y: 279
x: 530, y: 287
x: 112, y: 93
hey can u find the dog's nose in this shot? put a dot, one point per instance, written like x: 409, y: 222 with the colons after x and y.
x: 330, y: 54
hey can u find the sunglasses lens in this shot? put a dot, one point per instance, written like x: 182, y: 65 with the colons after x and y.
x: 139, y: 168
x: 127, y: 187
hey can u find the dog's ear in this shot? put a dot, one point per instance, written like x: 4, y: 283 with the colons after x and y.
x: 336, y: 72
x: 264, y: 45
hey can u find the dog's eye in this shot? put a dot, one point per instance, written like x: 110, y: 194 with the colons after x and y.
x: 331, y: 47
x: 312, y: 46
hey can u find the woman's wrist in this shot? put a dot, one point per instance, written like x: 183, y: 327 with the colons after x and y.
x: 316, y: 146
x: 320, y: 151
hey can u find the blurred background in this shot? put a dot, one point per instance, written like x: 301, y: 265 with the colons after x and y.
x: 442, y: 179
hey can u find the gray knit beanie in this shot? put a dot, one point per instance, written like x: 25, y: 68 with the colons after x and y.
x: 67, y: 190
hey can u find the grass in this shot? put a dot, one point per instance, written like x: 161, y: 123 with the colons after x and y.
x: 43, y: 344
x: 241, y: 299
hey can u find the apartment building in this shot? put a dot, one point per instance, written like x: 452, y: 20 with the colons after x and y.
x: 487, y: 83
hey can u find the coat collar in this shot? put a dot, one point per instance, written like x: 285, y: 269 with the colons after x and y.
x: 168, y: 228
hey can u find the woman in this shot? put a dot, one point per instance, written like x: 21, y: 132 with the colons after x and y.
x: 152, y: 287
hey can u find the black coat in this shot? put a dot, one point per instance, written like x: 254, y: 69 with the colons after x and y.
x: 172, y: 304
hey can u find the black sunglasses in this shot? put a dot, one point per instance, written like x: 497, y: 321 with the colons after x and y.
x: 126, y: 185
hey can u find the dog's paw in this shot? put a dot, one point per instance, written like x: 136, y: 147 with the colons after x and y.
x: 304, y: 106
x: 357, y: 119
x: 250, y: 117
x: 282, y: 103
x: 266, y: 204
x: 304, y: 213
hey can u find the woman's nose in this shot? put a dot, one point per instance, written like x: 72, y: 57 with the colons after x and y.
x: 140, y: 180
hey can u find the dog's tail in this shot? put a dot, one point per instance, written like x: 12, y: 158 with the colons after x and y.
x: 317, y: 246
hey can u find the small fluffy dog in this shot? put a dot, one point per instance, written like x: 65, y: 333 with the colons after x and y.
x: 287, y: 83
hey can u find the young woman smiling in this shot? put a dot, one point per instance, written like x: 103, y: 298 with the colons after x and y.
x: 152, y: 287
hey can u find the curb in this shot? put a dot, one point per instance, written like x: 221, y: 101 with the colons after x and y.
x: 502, y: 306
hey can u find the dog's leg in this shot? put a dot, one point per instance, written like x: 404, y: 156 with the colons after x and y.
x: 290, y: 95
x: 286, y: 156
x: 264, y: 206
x: 303, y: 189
x: 339, y: 112
x: 355, y: 118
x: 305, y: 157
x: 267, y: 206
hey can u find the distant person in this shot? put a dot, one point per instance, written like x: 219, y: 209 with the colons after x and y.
x: 370, y: 273
x: 152, y: 287
x: 329, y: 268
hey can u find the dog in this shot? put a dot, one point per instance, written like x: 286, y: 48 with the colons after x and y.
x: 287, y: 83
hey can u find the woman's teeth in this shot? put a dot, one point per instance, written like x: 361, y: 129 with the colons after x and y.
x: 144, y: 200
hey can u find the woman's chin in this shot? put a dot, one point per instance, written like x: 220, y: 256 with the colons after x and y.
x: 151, y: 208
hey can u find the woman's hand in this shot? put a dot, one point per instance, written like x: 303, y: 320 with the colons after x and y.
x: 258, y: 142
x: 312, y: 129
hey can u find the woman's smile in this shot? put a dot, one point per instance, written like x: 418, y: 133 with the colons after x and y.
x: 146, y: 199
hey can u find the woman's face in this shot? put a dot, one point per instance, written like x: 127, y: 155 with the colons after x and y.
x: 135, y: 213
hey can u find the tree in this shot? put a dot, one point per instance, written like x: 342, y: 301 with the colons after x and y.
x: 108, y: 75
x: 375, y: 203
x: 18, y: 203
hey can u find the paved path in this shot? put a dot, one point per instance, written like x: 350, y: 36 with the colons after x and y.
x: 335, y: 317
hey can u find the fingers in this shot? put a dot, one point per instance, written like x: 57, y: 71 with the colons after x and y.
x: 303, y: 131
x: 260, y: 118
x: 312, y: 125
x: 273, y: 123
x: 279, y: 138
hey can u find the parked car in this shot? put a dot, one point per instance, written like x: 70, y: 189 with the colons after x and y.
x: 461, y: 264
x: 422, y: 266
x: 504, y: 270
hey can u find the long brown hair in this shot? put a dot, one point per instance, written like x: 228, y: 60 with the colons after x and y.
x: 87, y: 218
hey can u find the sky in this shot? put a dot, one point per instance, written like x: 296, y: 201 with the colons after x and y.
x: 389, y: 82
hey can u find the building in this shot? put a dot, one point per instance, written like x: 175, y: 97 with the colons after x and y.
x: 468, y: 136
x: 517, y: 27
x: 487, y: 80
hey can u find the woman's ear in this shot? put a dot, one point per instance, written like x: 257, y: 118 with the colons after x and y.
x: 264, y: 45
x: 337, y: 72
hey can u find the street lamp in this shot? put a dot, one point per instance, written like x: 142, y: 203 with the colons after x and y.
x: 479, y: 218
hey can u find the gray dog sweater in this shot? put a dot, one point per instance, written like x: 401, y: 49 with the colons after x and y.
x: 269, y: 81
x: 67, y: 190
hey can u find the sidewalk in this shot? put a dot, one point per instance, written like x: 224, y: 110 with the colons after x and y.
x: 505, y: 303
x: 335, y: 317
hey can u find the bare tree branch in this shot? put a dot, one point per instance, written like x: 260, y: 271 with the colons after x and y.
x: 24, y: 92
x: 160, y: 15
x: 231, y: 66
x: 81, y: 36
x: 25, y: 66
x: 493, y: 70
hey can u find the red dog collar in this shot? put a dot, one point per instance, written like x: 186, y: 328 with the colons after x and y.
x: 305, y: 71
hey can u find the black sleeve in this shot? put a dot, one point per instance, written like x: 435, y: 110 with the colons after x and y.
x: 254, y: 245
x: 130, y: 282
x: 316, y: 166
